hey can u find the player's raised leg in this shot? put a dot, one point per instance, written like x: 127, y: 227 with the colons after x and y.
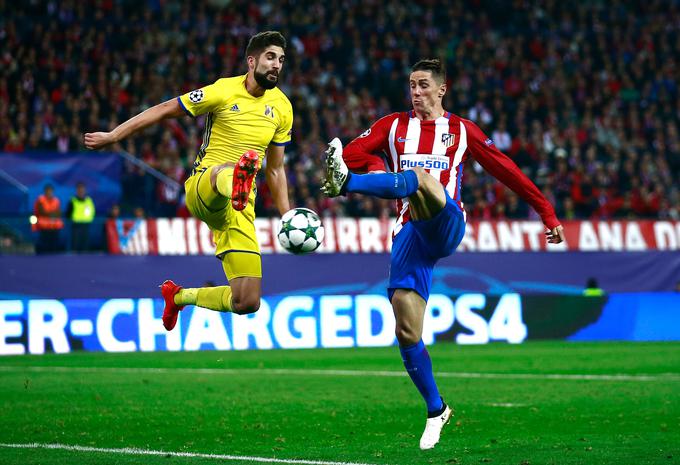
x: 426, y: 195
x: 241, y: 297
x: 239, y: 254
x: 229, y: 181
x: 340, y: 181
x: 176, y: 297
x: 429, y: 199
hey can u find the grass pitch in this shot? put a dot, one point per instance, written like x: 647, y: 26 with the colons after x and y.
x: 537, y: 403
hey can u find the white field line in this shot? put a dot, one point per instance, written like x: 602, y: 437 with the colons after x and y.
x: 506, y: 405
x: 313, y: 372
x: 133, y: 451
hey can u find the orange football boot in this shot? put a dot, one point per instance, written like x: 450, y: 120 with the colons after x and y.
x: 244, y: 173
x: 171, y: 310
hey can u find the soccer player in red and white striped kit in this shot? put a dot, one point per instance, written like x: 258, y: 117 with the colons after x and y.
x: 424, y: 150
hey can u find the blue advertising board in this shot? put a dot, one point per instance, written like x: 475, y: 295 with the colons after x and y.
x: 37, y: 326
x: 101, y: 173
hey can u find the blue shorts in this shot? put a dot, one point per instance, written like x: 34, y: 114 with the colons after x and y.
x: 420, y: 244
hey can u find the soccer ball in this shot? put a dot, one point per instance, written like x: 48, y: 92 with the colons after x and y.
x: 300, y: 231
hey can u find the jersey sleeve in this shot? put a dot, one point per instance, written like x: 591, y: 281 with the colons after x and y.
x: 362, y: 155
x: 283, y: 133
x: 505, y: 170
x: 203, y: 100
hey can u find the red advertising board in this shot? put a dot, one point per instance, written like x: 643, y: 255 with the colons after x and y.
x: 188, y: 236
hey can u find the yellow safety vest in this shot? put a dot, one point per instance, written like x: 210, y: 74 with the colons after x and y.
x: 593, y: 292
x: 83, y: 210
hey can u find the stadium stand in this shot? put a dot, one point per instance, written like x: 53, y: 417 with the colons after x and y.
x: 583, y: 97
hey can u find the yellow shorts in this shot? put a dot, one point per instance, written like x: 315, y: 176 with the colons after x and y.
x: 233, y: 231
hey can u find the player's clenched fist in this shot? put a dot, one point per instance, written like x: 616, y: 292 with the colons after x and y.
x: 555, y: 235
x: 97, y: 140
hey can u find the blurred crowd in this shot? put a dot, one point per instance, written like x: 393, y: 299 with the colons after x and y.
x: 583, y: 96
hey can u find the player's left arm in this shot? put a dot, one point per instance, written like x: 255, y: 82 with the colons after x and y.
x: 505, y: 170
x: 275, y: 175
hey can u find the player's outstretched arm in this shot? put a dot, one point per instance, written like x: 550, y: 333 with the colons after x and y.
x: 506, y: 171
x: 169, y: 109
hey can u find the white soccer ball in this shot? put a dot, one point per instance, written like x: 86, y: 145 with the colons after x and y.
x: 300, y: 231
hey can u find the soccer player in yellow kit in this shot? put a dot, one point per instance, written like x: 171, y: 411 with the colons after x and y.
x: 248, y: 117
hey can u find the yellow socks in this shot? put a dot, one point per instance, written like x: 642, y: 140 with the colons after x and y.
x: 186, y: 297
x: 215, y: 298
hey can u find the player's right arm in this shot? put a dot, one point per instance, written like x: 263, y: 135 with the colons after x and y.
x: 362, y: 154
x: 150, y: 116
x: 194, y: 103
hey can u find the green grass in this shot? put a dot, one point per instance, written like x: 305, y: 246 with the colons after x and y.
x: 366, y: 419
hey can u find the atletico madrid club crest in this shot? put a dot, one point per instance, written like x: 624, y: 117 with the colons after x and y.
x: 448, y: 139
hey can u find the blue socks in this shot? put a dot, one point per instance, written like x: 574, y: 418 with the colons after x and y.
x: 419, y: 366
x: 384, y: 185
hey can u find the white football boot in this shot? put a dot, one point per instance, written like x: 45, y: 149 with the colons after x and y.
x: 433, y: 429
x: 336, y: 170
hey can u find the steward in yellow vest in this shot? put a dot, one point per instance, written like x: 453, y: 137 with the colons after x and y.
x: 81, y: 212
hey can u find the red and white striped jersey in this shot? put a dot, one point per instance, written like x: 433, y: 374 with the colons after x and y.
x: 440, y: 147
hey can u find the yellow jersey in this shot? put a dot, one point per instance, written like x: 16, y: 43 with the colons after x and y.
x: 237, y: 121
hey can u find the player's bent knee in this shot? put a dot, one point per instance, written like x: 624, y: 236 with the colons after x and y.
x: 427, y: 183
x: 216, y: 170
x: 245, y: 306
x: 406, y: 335
x: 420, y: 173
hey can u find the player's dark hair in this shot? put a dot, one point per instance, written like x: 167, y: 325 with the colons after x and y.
x: 433, y: 65
x: 260, y: 41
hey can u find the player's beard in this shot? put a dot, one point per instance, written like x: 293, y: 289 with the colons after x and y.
x: 264, y: 82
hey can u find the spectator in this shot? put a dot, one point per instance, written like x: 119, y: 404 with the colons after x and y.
x: 114, y: 212
x: 567, y: 210
x: 80, y: 211
x: 47, y: 221
x: 501, y: 137
x: 592, y: 288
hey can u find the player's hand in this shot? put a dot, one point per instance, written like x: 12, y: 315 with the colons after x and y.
x: 555, y: 235
x: 97, y: 140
